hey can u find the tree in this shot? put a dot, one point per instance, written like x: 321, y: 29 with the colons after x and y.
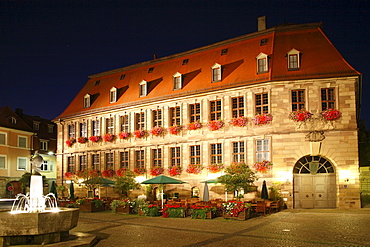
x: 26, y: 180
x: 125, y: 183
x: 364, y: 144
x: 238, y: 177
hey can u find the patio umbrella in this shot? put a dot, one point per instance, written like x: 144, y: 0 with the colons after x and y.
x: 206, y: 192
x: 162, y: 179
x: 53, y: 189
x: 98, y: 180
x: 71, y: 191
x: 264, y: 192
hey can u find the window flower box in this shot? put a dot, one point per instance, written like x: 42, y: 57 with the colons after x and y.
x: 331, y: 114
x: 261, y: 119
x: 70, y: 142
x: 124, y: 135
x: 82, y: 139
x: 68, y: 175
x: 108, y: 137
x: 109, y: 173
x: 94, y: 173
x: 121, y: 172
x: 94, y: 138
x: 262, y: 166
x: 174, y: 170
x: 239, y: 121
x: 300, y: 115
x: 139, y: 133
x: 156, y: 170
x: 215, y: 125
x: 81, y: 173
x: 214, y: 168
x: 139, y: 170
x: 193, y: 125
x: 194, y: 168
x: 175, y: 129
x: 156, y: 131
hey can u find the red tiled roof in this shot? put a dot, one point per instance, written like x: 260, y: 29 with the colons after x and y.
x: 319, y: 59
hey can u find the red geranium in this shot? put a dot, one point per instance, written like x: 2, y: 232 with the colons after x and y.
x: 70, y: 142
x: 94, y: 138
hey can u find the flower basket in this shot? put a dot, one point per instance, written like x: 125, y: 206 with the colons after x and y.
x: 94, y: 138
x: 193, y: 125
x: 214, y: 168
x: 175, y: 129
x: 139, y: 170
x: 261, y: 119
x: 236, y: 210
x: 215, y: 125
x: 69, y: 175
x: 156, y: 131
x: 262, y: 166
x: 151, y: 210
x: 237, y: 167
x: 174, y: 170
x: 123, y: 135
x: 108, y: 137
x: 203, y: 212
x: 173, y: 211
x: 300, y: 115
x: 70, y: 142
x: 94, y: 173
x: 331, y: 114
x: 81, y: 173
x: 109, y: 173
x: 82, y: 139
x: 194, y: 168
x: 121, y: 172
x: 156, y: 170
x: 139, y: 133
x: 239, y: 121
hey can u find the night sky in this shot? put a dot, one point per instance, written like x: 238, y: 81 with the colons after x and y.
x: 48, y: 48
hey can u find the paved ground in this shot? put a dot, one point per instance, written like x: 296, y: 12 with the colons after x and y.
x: 330, y: 227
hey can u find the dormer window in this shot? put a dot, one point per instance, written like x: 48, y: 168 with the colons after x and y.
x: 113, y: 95
x: 87, y: 102
x: 185, y: 61
x: 262, y: 63
x: 224, y: 51
x: 97, y: 82
x: 122, y: 77
x: 13, y: 120
x: 293, y: 59
x: 150, y: 70
x: 177, y: 81
x: 143, y: 88
x: 36, y: 125
x: 216, y: 72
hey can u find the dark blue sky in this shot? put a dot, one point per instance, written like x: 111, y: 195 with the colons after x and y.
x: 49, y: 47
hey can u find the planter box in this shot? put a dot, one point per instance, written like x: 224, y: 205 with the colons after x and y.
x: 125, y: 210
x: 140, y: 212
x: 209, y: 215
x: 90, y: 207
x: 241, y: 216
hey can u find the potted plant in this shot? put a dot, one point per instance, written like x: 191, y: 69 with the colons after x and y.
x: 125, y: 183
x: 94, y: 205
x: 300, y: 115
x: 194, y: 125
x: 121, y: 172
x: 151, y: 210
x: 262, y: 166
x: 174, y: 170
x: 122, y: 206
x: 214, y: 168
x: 239, y: 121
x: 156, y: 170
x: 331, y: 114
x: 215, y: 125
x: 108, y: 137
x: 194, y: 168
x: 174, y: 129
x: 139, y: 133
x: 156, y: 131
x: 139, y: 170
x: 109, y: 173
x: 261, y: 119
x: 124, y: 135
x: 173, y: 211
x: 236, y: 210
x: 94, y: 138
x: 203, y: 212
x: 82, y: 139
x: 70, y: 142
x: 68, y: 175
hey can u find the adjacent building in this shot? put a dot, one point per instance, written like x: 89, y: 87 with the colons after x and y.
x: 283, y: 96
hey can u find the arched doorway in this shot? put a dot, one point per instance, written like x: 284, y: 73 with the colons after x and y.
x: 314, y: 183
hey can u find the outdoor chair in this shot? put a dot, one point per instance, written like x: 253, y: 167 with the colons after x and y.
x: 261, y: 208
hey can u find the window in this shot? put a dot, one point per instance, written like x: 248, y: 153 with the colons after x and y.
x: 262, y: 63
x: 140, y: 120
x: 22, y: 142
x: 87, y: 102
x: 83, y: 163
x: 194, y: 112
x: 157, y: 118
x: 224, y: 51
x: 175, y: 115
x: 327, y: 98
x: 124, y: 160
x: 238, y: 151
x: 175, y: 156
x: 122, y: 77
x: 95, y: 127
x: 143, y: 89
x: 95, y: 162
x: 216, y: 72
x: 157, y: 157
x: 50, y: 128
x: 262, y: 101
x: 293, y: 60
x: 2, y: 138
x: 13, y: 120
x: 237, y: 107
x: 263, y: 42
x: 177, y: 81
x: 195, y: 154
x: 71, y: 131
x: 47, y: 166
x: 97, y: 82
x: 150, y: 70
x: 22, y: 163
x: 2, y: 162
x: 36, y: 125
x: 185, y: 61
x: 109, y: 161
x: 109, y: 125
x: 113, y: 95
x: 139, y: 159
x: 125, y: 123
x: 83, y: 129
x: 216, y: 153
x: 215, y: 110
x: 43, y: 145
x: 298, y: 99
x: 262, y: 150
x: 71, y: 164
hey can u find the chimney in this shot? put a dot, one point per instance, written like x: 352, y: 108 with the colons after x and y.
x: 261, y: 23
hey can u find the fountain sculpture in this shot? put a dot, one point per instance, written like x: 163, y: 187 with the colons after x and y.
x: 35, y: 218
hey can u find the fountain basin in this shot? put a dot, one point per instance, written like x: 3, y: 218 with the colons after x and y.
x: 37, y: 228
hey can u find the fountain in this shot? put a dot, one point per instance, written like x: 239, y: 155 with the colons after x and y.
x: 35, y: 218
